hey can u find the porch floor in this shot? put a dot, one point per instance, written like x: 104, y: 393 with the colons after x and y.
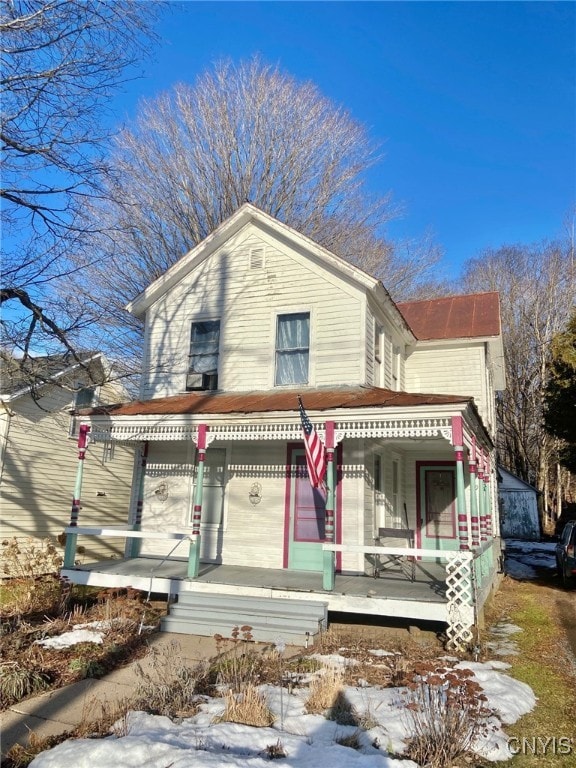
x: 428, y: 585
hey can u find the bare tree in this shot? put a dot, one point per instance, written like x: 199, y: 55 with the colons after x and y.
x: 537, y: 286
x: 61, y: 61
x: 242, y: 132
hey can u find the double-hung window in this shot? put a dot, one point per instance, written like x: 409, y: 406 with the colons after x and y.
x: 204, y: 354
x: 292, y: 349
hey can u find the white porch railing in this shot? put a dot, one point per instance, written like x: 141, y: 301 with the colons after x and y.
x: 468, y: 573
x: 468, y: 577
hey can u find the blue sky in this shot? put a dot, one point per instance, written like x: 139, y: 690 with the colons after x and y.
x: 474, y: 102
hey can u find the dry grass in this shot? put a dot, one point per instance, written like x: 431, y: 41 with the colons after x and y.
x: 249, y: 708
x: 324, y: 690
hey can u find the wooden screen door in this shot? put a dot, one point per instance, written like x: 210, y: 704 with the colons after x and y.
x: 437, y: 507
x: 305, y: 517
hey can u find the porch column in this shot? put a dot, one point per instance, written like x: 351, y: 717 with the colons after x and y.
x: 489, y: 507
x: 458, y: 443
x: 474, y: 522
x: 195, y: 540
x: 71, y: 539
x: 135, y: 544
x: 329, y: 569
x: 482, y: 499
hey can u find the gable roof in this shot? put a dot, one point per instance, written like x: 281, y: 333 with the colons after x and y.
x: 273, y: 400
x: 39, y: 371
x: 250, y: 214
x: 454, y: 317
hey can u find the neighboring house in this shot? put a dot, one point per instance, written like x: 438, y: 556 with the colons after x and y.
x: 38, y: 453
x: 518, y: 501
x: 402, y: 395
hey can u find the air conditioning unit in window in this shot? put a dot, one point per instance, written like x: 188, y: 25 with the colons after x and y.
x: 199, y: 382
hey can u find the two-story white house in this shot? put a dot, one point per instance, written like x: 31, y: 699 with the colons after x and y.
x: 222, y: 509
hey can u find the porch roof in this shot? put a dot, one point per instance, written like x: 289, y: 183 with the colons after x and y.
x: 275, y: 400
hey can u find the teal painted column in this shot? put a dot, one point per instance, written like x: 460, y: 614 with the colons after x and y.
x: 72, y: 538
x: 329, y: 558
x: 458, y: 443
x: 196, y: 538
x: 482, y: 501
x: 474, y: 522
x: 135, y: 544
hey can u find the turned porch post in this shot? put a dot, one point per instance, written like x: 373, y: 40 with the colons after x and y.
x: 329, y: 562
x: 71, y: 538
x: 135, y: 544
x: 474, y: 522
x: 196, y: 538
x: 458, y: 443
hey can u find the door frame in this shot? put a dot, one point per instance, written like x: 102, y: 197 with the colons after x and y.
x: 420, y: 512
x: 290, y: 449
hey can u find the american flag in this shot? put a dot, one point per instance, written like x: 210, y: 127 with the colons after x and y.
x: 314, y: 449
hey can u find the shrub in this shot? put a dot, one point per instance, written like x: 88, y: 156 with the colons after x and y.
x: 324, y: 690
x: 238, y: 664
x: 17, y: 682
x: 248, y: 707
x: 446, y: 711
x: 170, y: 685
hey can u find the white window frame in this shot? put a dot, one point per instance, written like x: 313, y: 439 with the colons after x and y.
x: 292, y: 311
x: 196, y: 321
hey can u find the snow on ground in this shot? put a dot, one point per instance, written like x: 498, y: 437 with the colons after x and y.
x: 308, y: 741
x: 524, y: 560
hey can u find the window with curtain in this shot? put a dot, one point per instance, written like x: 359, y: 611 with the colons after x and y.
x: 292, y: 348
x: 204, y: 352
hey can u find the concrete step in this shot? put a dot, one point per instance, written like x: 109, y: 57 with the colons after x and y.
x: 235, y: 618
x: 270, y: 633
x: 285, y: 605
x: 296, y: 621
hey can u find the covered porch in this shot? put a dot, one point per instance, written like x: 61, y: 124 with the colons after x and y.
x: 247, y: 524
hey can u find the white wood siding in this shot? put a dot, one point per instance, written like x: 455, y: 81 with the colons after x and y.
x: 39, y: 475
x: 456, y: 370
x: 247, y: 302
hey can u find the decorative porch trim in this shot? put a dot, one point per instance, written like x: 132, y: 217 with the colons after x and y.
x: 386, y: 428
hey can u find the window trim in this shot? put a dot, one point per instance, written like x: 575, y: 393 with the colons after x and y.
x: 197, y: 321
x: 278, y: 313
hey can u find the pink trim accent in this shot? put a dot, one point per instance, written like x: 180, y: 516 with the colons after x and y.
x: 420, y: 525
x: 290, y: 448
x: 459, y: 453
x: 83, y: 436
x: 202, y: 430
x: 329, y: 434
x: 457, y: 430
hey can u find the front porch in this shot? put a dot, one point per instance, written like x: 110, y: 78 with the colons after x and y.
x: 391, y: 595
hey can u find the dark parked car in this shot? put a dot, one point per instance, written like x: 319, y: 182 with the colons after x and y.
x: 566, y: 554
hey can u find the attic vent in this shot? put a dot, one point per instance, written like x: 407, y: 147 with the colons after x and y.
x: 256, y: 258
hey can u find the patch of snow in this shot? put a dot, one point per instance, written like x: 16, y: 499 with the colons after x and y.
x: 68, y: 639
x: 335, y: 660
x: 308, y: 740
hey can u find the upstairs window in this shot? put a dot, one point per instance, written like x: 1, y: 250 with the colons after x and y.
x: 292, y: 349
x: 84, y: 398
x: 204, y: 354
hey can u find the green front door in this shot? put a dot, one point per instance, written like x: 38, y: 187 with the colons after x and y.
x: 437, y: 506
x: 305, y: 510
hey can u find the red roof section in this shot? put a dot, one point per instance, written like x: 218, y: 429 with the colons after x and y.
x: 261, y: 402
x: 454, y: 317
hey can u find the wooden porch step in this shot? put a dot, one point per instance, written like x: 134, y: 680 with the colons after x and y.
x: 295, y: 621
